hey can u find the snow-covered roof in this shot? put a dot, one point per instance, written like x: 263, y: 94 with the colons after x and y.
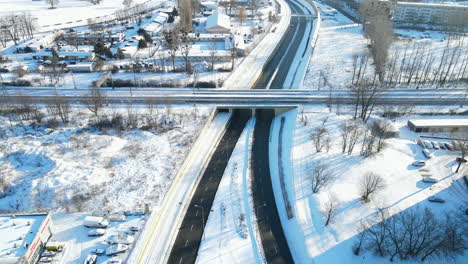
x: 209, y: 4
x: 432, y: 5
x: 161, y: 18
x: 218, y: 19
x: 66, y: 53
x: 19, y: 230
x: 449, y: 122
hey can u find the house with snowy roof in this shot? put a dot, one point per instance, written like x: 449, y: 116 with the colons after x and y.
x: 218, y: 23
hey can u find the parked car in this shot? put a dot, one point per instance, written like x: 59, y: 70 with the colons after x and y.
x: 427, y: 144
x: 116, y: 249
x: 120, y: 239
x: 429, y: 180
x: 449, y: 146
x: 90, y: 259
x: 98, y: 251
x: 96, y: 232
x: 48, y: 253
x: 427, y: 154
x: 54, y: 246
x: 135, y: 228
x: 435, y: 199
x: 435, y: 145
x: 95, y: 221
x: 117, y: 218
x: 45, y: 260
x: 442, y: 145
x: 419, y: 163
x: 114, y: 261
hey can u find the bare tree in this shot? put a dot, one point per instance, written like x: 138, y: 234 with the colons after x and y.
x: 331, y: 210
x: 185, y: 8
x: 321, y: 176
x: 171, y: 41
x: 186, y: 43
x: 242, y: 15
x: 350, y: 133
x: 318, y: 137
x: 59, y: 106
x: 213, y: 58
x: 52, y: 3
x: 380, y: 129
x: 370, y: 184
x: 95, y: 99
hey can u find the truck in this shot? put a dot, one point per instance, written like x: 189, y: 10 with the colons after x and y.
x: 95, y: 221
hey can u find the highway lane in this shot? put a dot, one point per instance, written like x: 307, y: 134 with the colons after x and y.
x: 274, y: 244
x: 187, y: 243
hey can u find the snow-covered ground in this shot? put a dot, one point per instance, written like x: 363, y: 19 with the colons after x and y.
x: 313, y: 242
x: 75, y: 167
x: 231, y: 235
x: 69, y: 230
x: 66, y: 11
x: 340, y: 39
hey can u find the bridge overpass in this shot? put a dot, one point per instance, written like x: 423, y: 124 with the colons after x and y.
x: 250, y: 98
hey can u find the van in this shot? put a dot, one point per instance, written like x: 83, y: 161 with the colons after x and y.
x: 95, y: 221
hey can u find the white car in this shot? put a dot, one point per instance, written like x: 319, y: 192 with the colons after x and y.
x: 435, y: 145
x: 98, y: 251
x: 116, y: 249
x: 96, y: 232
x: 429, y: 180
x: 419, y: 163
x: 427, y: 153
x: 120, y: 239
x: 428, y: 144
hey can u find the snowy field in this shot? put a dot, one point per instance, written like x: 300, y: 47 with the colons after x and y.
x: 66, y: 11
x: 338, y: 39
x: 76, y: 167
x: 313, y: 242
x: 231, y: 234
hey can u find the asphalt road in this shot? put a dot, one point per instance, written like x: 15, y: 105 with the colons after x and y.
x: 277, y: 68
x: 185, y: 248
x: 275, y: 246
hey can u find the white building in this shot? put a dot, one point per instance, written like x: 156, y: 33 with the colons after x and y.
x: 23, y: 237
x: 81, y: 67
x: 432, y: 14
x: 218, y: 23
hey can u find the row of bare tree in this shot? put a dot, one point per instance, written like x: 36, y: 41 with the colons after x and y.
x: 412, y: 234
x: 372, y: 136
x: 16, y: 27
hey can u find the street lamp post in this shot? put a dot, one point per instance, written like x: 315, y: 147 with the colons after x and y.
x: 203, y: 219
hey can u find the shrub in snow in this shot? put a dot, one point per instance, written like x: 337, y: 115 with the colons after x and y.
x: 370, y: 184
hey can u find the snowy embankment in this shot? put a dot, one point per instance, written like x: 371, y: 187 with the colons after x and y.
x: 231, y: 233
x: 309, y: 239
x: 75, y: 167
x: 248, y: 71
